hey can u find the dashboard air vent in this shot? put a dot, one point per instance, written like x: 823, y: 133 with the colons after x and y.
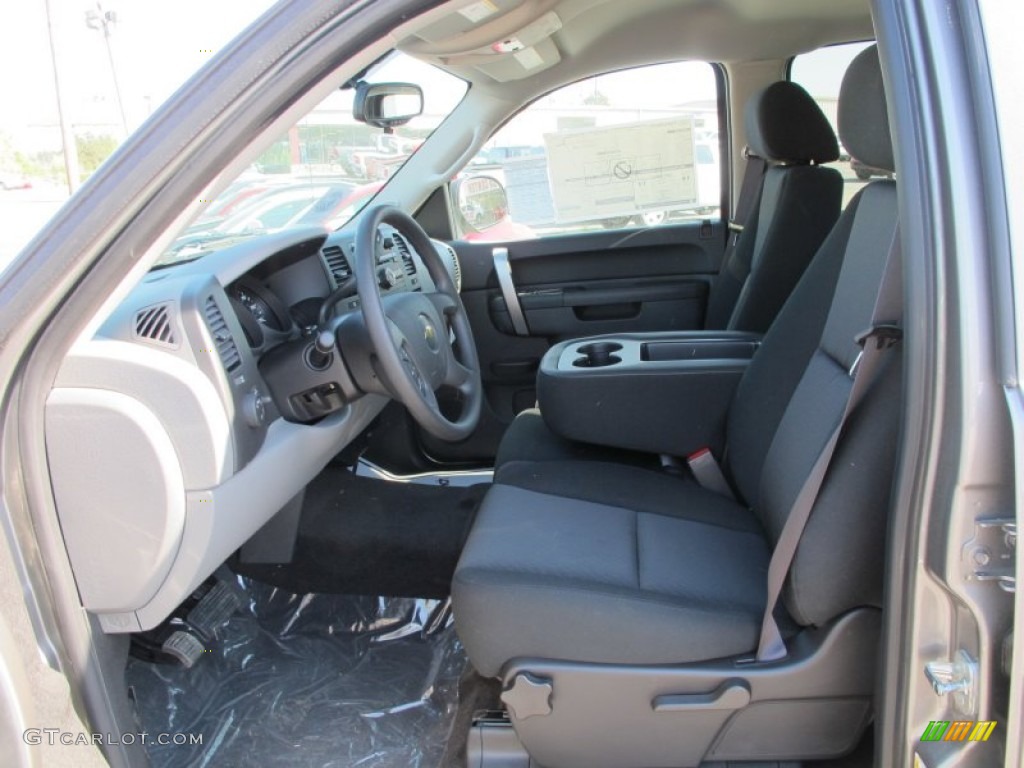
x: 407, y: 262
x: 336, y: 263
x: 154, y: 324
x: 456, y: 268
x: 226, y: 347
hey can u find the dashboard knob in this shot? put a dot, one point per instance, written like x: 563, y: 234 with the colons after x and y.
x: 389, y: 276
x: 319, y: 355
x: 254, y: 409
x: 324, y: 342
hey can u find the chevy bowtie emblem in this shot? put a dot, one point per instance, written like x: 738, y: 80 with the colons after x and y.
x: 429, y: 333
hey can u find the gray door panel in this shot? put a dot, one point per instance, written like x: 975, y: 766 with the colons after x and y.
x: 570, y: 286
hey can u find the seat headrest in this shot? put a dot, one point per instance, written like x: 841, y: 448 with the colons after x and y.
x: 784, y: 124
x: 863, y: 115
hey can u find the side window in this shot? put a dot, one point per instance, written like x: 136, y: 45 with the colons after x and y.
x: 634, y: 148
x: 821, y: 72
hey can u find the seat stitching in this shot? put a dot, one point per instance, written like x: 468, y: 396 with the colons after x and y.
x: 696, y: 603
x: 636, y: 550
x: 709, y: 523
x: 635, y: 513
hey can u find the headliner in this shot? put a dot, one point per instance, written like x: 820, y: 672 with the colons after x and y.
x: 570, y: 39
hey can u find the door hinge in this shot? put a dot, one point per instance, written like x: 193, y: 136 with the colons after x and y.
x: 991, y: 553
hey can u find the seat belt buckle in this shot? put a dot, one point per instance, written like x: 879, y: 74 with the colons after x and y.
x: 885, y: 336
x: 707, y: 473
x: 735, y: 230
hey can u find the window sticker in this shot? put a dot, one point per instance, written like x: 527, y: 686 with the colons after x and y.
x: 623, y: 169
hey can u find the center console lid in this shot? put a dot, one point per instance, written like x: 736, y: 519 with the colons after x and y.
x: 655, y: 392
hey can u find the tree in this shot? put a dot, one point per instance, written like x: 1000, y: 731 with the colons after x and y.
x: 8, y: 159
x: 93, y: 150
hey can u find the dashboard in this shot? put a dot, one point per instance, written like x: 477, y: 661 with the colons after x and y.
x: 176, y: 432
x: 283, y: 294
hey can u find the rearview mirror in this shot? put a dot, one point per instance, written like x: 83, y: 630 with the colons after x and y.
x: 387, y: 105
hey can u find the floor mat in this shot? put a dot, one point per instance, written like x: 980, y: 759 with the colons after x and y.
x: 311, y: 680
x: 362, y: 536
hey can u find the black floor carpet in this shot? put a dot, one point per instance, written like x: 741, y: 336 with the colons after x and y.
x: 361, y: 536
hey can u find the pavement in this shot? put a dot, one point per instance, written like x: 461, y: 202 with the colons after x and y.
x: 23, y: 212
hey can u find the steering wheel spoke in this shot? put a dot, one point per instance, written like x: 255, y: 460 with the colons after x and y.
x: 459, y: 376
x: 445, y: 304
x: 413, y: 371
x: 398, y: 339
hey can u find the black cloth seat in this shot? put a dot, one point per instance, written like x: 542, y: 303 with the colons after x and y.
x: 798, y: 205
x: 565, y: 578
x: 583, y: 560
x: 529, y: 438
x: 799, y: 202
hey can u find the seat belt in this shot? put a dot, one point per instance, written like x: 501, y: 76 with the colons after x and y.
x: 882, y: 335
x: 750, y: 196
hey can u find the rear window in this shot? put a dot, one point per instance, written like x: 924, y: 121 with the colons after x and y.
x: 821, y: 73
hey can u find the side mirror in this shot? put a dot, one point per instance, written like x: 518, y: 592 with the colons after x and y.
x: 481, y: 201
x: 387, y: 105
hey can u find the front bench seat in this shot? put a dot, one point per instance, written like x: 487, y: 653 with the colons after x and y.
x: 596, y: 591
x: 798, y: 204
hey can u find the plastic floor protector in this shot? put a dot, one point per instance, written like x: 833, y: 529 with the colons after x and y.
x: 310, y: 680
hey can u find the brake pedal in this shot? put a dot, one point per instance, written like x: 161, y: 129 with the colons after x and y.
x: 214, y: 609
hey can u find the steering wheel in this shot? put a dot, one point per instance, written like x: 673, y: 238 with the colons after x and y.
x: 410, y: 332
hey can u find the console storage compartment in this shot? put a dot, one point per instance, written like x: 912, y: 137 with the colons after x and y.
x: 654, y: 392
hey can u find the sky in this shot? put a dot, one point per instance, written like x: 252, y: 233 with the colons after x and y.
x: 155, y: 46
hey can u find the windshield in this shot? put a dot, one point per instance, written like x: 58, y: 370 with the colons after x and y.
x: 323, y: 170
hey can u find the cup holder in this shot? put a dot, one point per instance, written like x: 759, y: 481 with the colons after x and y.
x: 598, y: 355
